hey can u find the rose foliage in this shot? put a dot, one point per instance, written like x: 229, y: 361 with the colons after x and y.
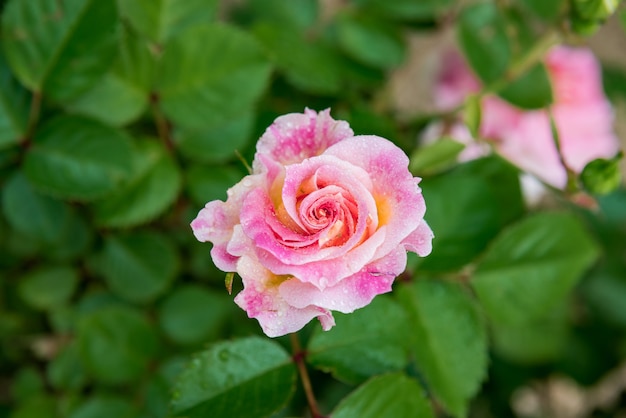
x: 355, y: 172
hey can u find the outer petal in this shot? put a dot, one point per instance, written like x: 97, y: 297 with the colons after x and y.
x: 215, y: 222
x: 294, y: 137
x: 575, y: 75
x: 529, y: 145
x: 261, y: 300
x: 398, y: 197
x: 586, y: 132
x: 421, y: 240
x: 351, y: 293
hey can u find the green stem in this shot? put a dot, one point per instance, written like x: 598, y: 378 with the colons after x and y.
x: 162, y: 125
x: 570, y: 186
x: 524, y: 62
x: 298, y: 357
x: 33, y: 118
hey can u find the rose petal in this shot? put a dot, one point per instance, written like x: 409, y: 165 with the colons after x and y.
x: 586, y: 133
x: 321, y: 266
x: 216, y: 221
x: 399, y: 200
x: 329, y: 170
x: 420, y: 241
x: 351, y: 293
x: 575, y: 75
x: 294, y: 137
x: 261, y: 300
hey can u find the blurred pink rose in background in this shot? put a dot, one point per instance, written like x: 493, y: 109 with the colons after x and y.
x: 323, y: 223
x: 581, y: 112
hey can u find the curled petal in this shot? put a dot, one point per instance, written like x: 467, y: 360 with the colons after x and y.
x: 399, y: 200
x: 351, y: 293
x: 322, y: 267
x: 216, y: 221
x: 420, y: 241
x: 261, y: 300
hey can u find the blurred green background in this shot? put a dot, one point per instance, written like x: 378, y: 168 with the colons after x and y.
x: 120, y: 120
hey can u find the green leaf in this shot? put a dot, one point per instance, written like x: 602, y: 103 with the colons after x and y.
x: 116, y: 344
x: 251, y: 377
x: 531, y: 90
x: 353, y: 355
x: 99, y: 406
x: 463, y: 229
x: 436, y: 157
x: 65, y: 371
x: 219, y: 143
x: 26, y: 384
x: 48, y: 287
x: 122, y: 94
x: 74, y: 241
x: 299, y: 14
x: 160, y: 20
x: 309, y: 65
x: 36, y: 407
x: 138, y: 266
x: 35, y: 215
x: 534, y: 342
x: 406, y: 9
x: 210, y: 73
x: 206, y: 183
x: 13, y: 107
x: 392, y: 395
x: 152, y: 188
x: 78, y: 158
x: 605, y: 294
x: 531, y: 266
x: 60, y: 48
x: 449, y: 340
x: 192, y: 314
x: 111, y: 101
x: 482, y: 35
x: 502, y: 178
x: 546, y: 9
x: 371, y: 41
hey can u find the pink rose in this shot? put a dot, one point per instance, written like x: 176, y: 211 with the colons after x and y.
x: 323, y: 223
x: 581, y: 112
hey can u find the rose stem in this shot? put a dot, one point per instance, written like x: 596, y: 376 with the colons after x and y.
x: 298, y: 357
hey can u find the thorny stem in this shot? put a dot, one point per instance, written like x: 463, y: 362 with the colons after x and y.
x: 162, y: 125
x: 298, y: 356
x: 33, y: 118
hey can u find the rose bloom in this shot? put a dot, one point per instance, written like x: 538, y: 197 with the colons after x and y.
x: 581, y: 112
x: 322, y: 224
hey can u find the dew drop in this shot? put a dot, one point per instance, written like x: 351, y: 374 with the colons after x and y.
x: 224, y: 355
x: 323, y: 282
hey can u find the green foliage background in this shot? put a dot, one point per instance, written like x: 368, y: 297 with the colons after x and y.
x: 120, y: 120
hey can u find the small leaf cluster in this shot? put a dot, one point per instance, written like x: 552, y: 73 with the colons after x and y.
x: 120, y: 119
